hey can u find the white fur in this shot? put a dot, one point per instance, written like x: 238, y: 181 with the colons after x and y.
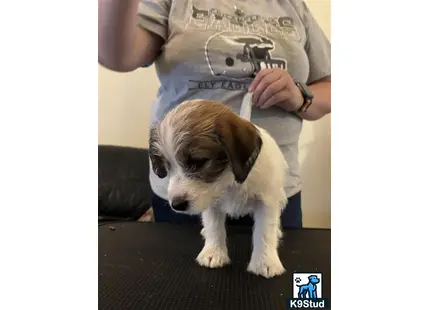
x: 261, y: 195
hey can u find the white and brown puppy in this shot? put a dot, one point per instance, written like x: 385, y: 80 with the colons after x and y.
x: 219, y: 164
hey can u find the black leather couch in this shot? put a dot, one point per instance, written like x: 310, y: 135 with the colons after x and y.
x: 124, y: 190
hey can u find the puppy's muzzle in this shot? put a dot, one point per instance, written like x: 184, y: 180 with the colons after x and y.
x: 179, y: 204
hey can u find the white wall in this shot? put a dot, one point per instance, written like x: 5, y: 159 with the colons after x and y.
x: 125, y: 99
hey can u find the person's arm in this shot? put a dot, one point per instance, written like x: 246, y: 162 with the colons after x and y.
x: 318, y: 50
x: 321, y: 103
x: 122, y: 43
x: 276, y: 87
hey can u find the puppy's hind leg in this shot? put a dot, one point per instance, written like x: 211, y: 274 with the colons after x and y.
x: 265, y: 259
x: 214, y: 253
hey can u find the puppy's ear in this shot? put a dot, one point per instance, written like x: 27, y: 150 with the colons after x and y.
x: 158, y: 161
x: 241, y: 141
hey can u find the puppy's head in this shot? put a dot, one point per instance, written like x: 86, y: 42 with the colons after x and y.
x: 203, y: 147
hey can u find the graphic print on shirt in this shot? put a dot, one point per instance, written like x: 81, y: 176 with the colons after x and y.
x: 240, y: 45
x: 240, y: 56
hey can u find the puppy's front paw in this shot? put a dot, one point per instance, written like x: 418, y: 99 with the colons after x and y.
x: 267, y: 266
x: 213, y: 257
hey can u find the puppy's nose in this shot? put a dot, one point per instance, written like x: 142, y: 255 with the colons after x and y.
x: 179, y: 204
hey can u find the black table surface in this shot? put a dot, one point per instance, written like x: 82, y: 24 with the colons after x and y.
x: 152, y: 266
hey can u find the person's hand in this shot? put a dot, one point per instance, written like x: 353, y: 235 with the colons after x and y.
x: 275, y: 87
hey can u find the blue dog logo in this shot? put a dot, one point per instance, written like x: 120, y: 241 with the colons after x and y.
x: 308, y: 290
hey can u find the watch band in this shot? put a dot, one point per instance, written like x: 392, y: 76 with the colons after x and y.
x: 307, y: 97
x: 305, y: 106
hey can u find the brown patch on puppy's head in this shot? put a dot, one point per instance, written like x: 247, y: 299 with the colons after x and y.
x: 198, y: 151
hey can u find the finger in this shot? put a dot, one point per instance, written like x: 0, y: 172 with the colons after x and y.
x: 270, y: 90
x: 276, y: 98
x: 264, y: 83
x: 260, y: 75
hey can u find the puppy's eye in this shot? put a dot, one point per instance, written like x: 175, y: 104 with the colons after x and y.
x: 196, y: 163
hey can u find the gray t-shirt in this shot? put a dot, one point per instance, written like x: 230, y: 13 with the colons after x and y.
x: 213, y: 49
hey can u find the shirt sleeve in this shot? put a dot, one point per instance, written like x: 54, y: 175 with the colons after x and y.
x: 317, y: 46
x: 154, y: 16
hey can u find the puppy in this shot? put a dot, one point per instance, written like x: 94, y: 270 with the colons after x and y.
x: 219, y: 165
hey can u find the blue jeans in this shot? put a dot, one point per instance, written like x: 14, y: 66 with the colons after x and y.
x: 290, y: 218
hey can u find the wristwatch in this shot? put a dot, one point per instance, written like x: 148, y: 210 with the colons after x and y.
x: 307, y: 97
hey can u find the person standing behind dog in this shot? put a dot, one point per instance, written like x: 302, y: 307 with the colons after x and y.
x: 220, y: 50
